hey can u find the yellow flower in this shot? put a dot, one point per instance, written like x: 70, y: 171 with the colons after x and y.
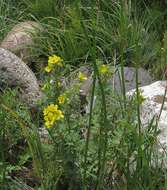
x: 82, y: 76
x: 104, y: 69
x: 52, y: 61
x: 48, y: 69
x: 61, y: 99
x: 51, y: 115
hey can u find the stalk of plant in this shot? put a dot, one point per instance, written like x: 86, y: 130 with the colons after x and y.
x: 2, y: 156
x: 103, y: 128
x: 162, y: 105
x: 123, y: 30
x: 163, y: 102
x: 122, y: 48
x: 88, y: 133
x: 138, y: 106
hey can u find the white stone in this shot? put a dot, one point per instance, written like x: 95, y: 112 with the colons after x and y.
x: 154, y: 96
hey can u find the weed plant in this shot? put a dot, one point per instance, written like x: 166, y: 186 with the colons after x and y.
x: 105, y: 147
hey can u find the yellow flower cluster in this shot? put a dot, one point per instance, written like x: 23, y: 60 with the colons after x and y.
x: 104, y: 69
x: 82, y: 76
x: 52, y: 61
x: 51, y: 115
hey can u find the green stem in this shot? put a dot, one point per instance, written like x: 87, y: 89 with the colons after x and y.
x: 103, y: 128
x: 122, y: 47
x: 138, y: 109
x: 88, y: 133
x: 3, y: 158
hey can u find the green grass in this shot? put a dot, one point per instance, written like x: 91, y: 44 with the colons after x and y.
x: 64, y: 35
x: 108, y: 147
x: 11, y: 14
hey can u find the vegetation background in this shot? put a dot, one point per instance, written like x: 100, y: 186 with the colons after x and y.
x: 107, y: 147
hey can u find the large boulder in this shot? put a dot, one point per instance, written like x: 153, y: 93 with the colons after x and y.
x: 15, y: 73
x: 154, y: 95
x: 20, y: 38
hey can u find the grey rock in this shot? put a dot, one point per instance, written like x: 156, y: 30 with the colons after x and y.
x: 15, y: 73
x: 20, y: 38
x: 115, y: 81
x: 130, y: 78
